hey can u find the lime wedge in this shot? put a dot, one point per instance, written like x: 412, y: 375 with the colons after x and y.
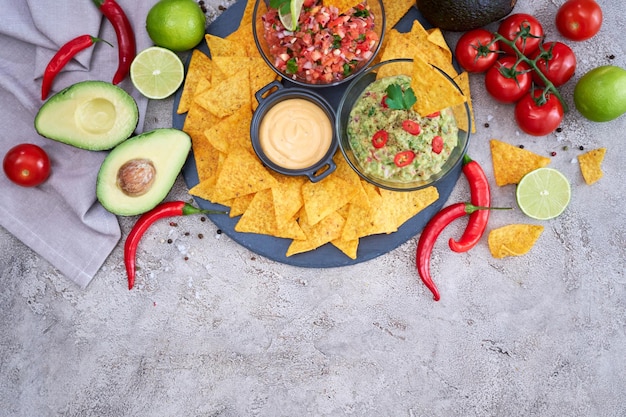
x: 543, y: 193
x: 157, y: 72
x: 290, y: 20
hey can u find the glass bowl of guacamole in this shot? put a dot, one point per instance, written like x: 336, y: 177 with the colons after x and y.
x: 396, y: 137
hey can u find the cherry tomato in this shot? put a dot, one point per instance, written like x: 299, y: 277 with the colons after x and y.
x: 557, y: 63
x: 529, y: 29
x: 579, y: 19
x: 505, y: 83
x: 404, y: 158
x: 537, y: 115
x: 26, y: 164
x: 477, y: 50
x: 411, y: 127
x: 437, y: 144
x: 380, y: 139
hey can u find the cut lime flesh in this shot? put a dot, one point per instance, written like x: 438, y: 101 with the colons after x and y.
x: 157, y: 72
x: 543, y: 194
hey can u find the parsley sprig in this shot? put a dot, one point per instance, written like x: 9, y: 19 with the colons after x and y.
x: 399, y: 99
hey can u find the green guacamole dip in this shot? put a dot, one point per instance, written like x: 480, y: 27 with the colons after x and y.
x: 421, y: 155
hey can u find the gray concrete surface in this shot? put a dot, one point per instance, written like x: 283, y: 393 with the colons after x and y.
x: 212, y: 329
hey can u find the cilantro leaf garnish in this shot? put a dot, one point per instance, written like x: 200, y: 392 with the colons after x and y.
x: 283, y: 5
x: 398, y: 99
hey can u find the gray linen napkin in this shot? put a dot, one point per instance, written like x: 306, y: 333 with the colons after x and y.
x: 61, y: 219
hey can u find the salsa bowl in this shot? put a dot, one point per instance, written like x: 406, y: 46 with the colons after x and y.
x: 293, y: 131
x: 399, y: 150
x: 326, y: 49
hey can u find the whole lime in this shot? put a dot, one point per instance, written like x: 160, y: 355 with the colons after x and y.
x: 177, y: 25
x: 600, y: 94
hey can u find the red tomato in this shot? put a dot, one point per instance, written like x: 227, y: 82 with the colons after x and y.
x: 557, y: 63
x: 505, y: 83
x: 404, y: 158
x: 477, y: 50
x: 524, y: 29
x: 579, y: 19
x: 412, y: 127
x: 538, y: 116
x: 26, y: 164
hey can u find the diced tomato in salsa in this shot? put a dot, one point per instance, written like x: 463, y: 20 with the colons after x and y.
x: 326, y: 47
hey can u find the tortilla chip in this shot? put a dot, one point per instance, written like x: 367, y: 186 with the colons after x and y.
x: 591, y: 165
x: 401, y: 206
x: 460, y: 112
x: 259, y: 73
x: 239, y: 205
x: 259, y: 218
x: 325, y: 197
x: 200, y: 67
x: 233, y: 130
x: 513, y: 240
x: 241, y: 173
x: 324, y: 231
x: 511, y: 163
x: 227, y: 96
x: 433, y: 90
x: 395, y: 11
x: 348, y: 247
x: 221, y: 47
x: 287, y: 197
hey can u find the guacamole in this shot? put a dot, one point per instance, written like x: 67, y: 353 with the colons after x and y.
x: 399, y: 145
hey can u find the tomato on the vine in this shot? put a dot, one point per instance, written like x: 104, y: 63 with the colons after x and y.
x: 507, y: 82
x: 527, y: 27
x: 477, y: 50
x: 26, y: 164
x: 538, y: 113
x: 579, y: 20
x: 558, y: 63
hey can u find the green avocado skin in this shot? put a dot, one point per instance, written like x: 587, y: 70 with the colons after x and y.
x: 463, y: 15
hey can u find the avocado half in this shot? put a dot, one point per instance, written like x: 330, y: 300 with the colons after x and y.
x: 139, y: 172
x: 92, y: 115
x: 463, y: 15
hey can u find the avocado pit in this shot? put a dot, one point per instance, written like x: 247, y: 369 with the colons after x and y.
x: 135, y: 177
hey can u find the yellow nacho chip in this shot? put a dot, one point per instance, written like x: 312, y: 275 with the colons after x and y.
x: 200, y: 67
x: 395, y: 11
x: 221, y: 47
x: 324, y: 231
x: 401, y: 206
x: 233, y: 130
x: 325, y: 197
x: 241, y: 173
x: 511, y: 163
x: 348, y: 247
x: 513, y: 239
x: 239, y: 205
x: 287, y: 197
x: 433, y: 90
x: 222, y: 99
x: 459, y: 111
x: 591, y: 165
x: 259, y: 218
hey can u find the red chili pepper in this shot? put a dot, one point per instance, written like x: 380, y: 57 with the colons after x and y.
x: 404, y: 158
x: 433, y: 115
x: 125, y: 36
x: 480, y: 196
x: 437, y: 144
x: 380, y: 138
x: 169, y: 209
x: 383, y: 102
x: 62, y: 57
x: 429, y: 236
x: 411, y: 127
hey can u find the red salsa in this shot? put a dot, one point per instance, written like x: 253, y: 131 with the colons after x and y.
x: 326, y: 46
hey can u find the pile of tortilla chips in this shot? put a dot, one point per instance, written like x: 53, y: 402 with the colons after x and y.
x: 218, y: 99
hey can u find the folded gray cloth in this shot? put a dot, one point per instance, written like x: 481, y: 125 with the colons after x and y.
x: 61, y: 219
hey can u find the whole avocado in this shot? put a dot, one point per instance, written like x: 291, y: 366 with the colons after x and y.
x: 463, y: 15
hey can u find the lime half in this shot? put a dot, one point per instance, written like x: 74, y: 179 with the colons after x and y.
x: 543, y: 193
x: 290, y: 19
x: 157, y: 72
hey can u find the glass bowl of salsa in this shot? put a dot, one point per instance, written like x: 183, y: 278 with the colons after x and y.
x: 327, y: 48
x: 387, y: 142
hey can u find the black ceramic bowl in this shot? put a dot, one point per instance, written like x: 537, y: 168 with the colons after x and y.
x: 320, y: 156
x: 352, y: 95
x: 378, y: 11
